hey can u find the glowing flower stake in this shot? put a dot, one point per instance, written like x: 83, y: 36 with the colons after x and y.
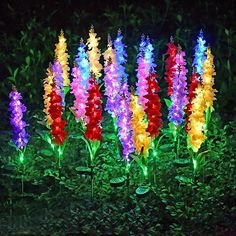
x: 58, y: 124
x: 112, y: 85
x: 48, y: 83
x: 17, y: 109
x: 124, y: 122
x: 170, y: 65
x: 179, y: 97
x: 94, y: 53
x: 142, y: 140
x: 196, y: 124
x: 62, y: 56
x: 199, y: 57
x: 208, y: 83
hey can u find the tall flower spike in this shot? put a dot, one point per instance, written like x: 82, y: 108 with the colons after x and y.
x: 48, y: 83
x: 55, y: 111
x: 121, y: 57
x: 179, y: 95
x: 112, y: 85
x: 93, y: 112
x: 149, y: 55
x: 199, y: 55
x: 17, y: 109
x: 94, y: 53
x: 208, y: 80
x: 62, y: 56
x: 141, y: 138
x: 82, y: 63
x: 197, y: 120
x: 124, y: 122
x: 170, y: 65
x: 153, y: 107
x: 142, y: 73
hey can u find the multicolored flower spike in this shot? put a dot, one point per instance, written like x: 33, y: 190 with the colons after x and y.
x: 208, y: 80
x: 55, y: 111
x: 48, y: 83
x: 197, y: 120
x: 17, y: 109
x: 179, y: 96
x: 142, y: 73
x: 153, y: 107
x: 62, y: 56
x: 93, y: 112
x: 170, y: 65
x: 94, y: 54
x: 124, y: 122
x: 121, y: 57
x: 112, y: 85
x: 141, y: 138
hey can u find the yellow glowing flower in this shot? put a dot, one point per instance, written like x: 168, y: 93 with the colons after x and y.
x: 94, y: 53
x: 48, y: 82
x: 62, y: 56
x: 109, y: 54
x: 141, y: 138
x: 208, y: 80
x: 197, y: 120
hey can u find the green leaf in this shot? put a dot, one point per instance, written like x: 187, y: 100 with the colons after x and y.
x: 181, y: 162
x: 183, y: 179
x: 84, y: 170
x: 118, y: 181
x: 46, y: 152
x: 167, y: 147
x: 142, y: 190
x: 66, y: 90
x: 27, y: 60
x: 168, y: 102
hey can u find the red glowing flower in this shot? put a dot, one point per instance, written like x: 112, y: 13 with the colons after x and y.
x: 93, y: 112
x: 153, y: 106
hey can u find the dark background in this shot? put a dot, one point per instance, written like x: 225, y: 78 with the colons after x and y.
x: 29, y: 30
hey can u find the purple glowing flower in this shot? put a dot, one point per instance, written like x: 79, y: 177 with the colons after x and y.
x: 58, y: 78
x: 17, y: 109
x: 124, y: 122
x: 179, y: 96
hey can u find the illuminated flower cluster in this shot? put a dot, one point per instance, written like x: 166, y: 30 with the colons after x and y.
x: 142, y: 73
x: 199, y: 55
x: 153, y: 107
x: 197, y: 121
x: 208, y: 80
x: 62, y: 56
x: 149, y: 56
x: 141, y: 138
x: 58, y: 79
x: 170, y: 65
x: 121, y: 56
x: 83, y: 64
x: 55, y: 111
x: 48, y: 83
x: 179, y: 95
x: 17, y: 109
x: 93, y: 112
x: 94, y: 53
x: 124, y: 122
x: 112, y: 85
x: 79, y: 90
